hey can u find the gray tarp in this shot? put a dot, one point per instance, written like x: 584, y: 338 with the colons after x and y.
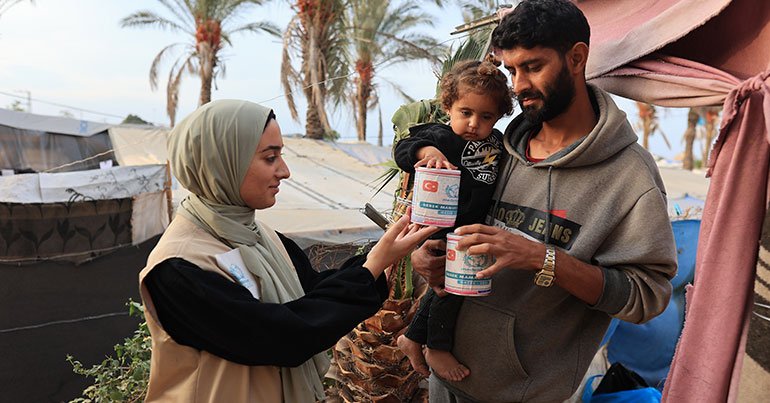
x: 37, y: 143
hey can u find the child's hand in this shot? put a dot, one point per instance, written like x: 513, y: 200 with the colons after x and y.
x: 432, y: 162
x: 431, y: 157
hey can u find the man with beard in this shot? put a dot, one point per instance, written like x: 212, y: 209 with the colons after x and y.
x: 578, y: 227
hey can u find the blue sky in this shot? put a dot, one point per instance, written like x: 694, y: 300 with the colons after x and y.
x: 75, y: 53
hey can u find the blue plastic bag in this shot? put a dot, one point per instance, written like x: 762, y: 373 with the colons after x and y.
x: 644, y: 395
x: 641, y: 395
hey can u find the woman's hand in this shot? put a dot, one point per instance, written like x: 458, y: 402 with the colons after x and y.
x: 400, y: 239
x: 431, y: 157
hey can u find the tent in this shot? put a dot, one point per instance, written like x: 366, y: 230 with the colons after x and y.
x: 696, y: 53
x: 36, y: 143
x: 76, y: 226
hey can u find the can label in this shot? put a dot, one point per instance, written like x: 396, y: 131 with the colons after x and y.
x: 461, y: 268
x: 435, y: 196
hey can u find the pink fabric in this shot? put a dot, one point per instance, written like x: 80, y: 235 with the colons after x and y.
x: 625, y: 30
x: 669, y: 81
x: 730, y: 35
x: 708, y: 357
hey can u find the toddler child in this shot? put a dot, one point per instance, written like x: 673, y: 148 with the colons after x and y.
x: 475, y: 95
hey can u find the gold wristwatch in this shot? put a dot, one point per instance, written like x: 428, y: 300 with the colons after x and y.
x: 545, y: 277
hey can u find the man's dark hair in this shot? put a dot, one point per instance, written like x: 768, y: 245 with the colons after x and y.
x: 554, y: 24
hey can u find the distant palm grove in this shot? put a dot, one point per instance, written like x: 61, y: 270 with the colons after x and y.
x: 333, y: 50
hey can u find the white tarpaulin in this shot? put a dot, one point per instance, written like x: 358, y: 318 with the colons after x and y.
x: 98, y: 184
x: 51, y: 124
x: 139, y: 145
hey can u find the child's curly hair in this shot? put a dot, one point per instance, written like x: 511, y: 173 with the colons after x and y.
x: 480, y: 77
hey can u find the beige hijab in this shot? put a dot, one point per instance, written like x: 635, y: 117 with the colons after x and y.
x: 210, y: 152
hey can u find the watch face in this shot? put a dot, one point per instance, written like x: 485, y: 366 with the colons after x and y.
x: 543, y: 280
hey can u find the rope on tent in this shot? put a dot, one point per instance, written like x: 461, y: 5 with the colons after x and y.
x: 62, y: 322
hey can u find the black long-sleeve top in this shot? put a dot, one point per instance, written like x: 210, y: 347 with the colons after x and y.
x: 477, y: 161
x: 203, y: 310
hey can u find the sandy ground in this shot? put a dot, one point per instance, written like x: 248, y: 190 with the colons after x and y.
x: 680, y: 182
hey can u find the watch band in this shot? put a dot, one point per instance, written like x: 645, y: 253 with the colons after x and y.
x: 546, y: 276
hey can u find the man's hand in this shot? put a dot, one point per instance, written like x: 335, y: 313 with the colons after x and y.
x: 429, y: 261
x: 509, y: 250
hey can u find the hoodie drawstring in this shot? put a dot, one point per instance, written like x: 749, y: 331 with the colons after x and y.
x: 548, y: 208
x: 511, y: 162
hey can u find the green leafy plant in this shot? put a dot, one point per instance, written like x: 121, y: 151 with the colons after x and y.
x: 122, y: 378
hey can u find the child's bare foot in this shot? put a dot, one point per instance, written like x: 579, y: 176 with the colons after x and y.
x: 413, y: 351
x: 446, y: 365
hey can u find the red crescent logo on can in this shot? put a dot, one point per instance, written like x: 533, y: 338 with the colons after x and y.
x: 430, y: 186
x: 450, y: 255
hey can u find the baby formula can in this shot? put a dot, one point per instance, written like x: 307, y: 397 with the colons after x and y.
x: 461, y: 268
x: 435, y: 196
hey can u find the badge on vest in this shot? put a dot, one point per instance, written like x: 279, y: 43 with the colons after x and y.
x: 232, y: 262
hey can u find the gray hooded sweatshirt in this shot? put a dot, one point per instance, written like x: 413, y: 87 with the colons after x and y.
x: 607, y: 207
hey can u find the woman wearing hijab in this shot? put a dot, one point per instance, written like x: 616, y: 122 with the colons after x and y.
x: 235, y: 310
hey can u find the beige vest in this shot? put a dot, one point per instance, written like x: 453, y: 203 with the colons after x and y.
x: 183, y: 374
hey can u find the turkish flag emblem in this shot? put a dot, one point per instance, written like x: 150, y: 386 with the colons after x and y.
x: 451, y: 255
x: 430, y: 186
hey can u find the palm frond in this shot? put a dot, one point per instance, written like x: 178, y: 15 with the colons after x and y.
x: 470, y: 49
x: 289, y: 75
x: 392, y: 171
x: 158, y: 60
x: 260, y: 26
x: 149, y: 18
x: 182, y: 10
x: 399, y: 90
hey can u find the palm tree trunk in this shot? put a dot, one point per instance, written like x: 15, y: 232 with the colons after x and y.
x: 710, y: 117
x: 363, y: 92
x: 379, y: 132
x: 208, y: 63
x: 645, y: 116
x: 313, y: 127
x: 688, y: 162
x: 317, y: 98
x: 367, y: 363
x: 361, y: 101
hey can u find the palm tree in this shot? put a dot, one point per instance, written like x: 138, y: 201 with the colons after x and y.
x: 648, y: 123
x: 315, y: 36
x: 383, y: 32
x: 709, y: 116
x: 688, y: 162
x: 207, y: 24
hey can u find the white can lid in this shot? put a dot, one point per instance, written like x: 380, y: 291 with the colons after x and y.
x: 439, y: 171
